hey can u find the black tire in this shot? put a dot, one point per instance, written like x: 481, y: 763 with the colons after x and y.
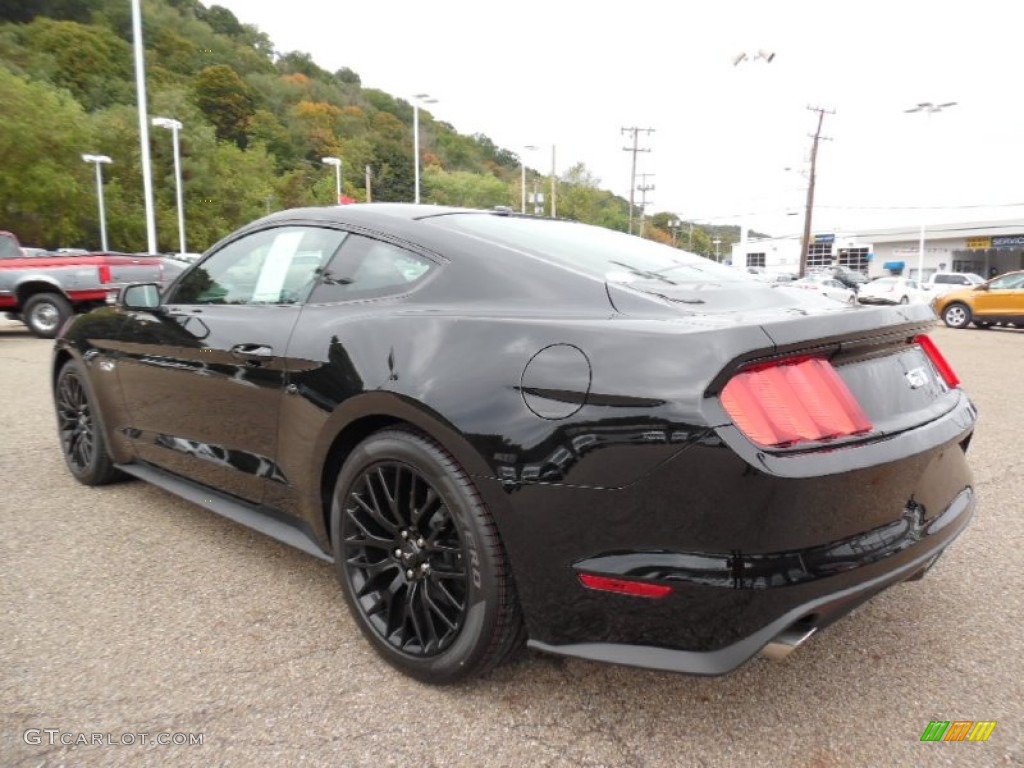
x: 45, y: 313
x: 420, y: 562
x: 78, y: 427
x: 957, y: 315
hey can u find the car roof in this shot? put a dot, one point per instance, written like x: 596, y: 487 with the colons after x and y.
x: 368, y: 214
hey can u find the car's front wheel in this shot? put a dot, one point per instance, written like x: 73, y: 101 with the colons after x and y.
x: 81, y: 439
x: 957, y: 315
x: 420, y: 562
x: 45, y: 313
x: 904, y: 300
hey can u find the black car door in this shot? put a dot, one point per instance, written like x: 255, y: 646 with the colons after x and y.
x: 203, y: 375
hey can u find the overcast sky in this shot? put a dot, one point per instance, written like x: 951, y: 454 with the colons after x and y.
x: 572, y: 74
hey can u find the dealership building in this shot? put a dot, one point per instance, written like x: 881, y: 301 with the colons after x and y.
x: 985, y: 248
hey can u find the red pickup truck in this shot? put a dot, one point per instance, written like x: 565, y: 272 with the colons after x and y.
x: 44, y: 291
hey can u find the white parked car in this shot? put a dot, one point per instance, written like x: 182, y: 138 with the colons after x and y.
x: 825, y: 285
x: 892, y: 290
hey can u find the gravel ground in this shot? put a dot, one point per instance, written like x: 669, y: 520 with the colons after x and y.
x: 125, y: 610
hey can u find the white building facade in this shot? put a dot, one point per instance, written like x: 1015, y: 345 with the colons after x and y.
x: 986, y: 248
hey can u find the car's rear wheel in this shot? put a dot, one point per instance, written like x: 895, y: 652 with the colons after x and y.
x: 420, y: 562
x: 45, y: 313
x: 81, y: 439
x: 957, y: 315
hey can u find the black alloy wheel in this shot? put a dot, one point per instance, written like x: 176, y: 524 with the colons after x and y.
x: 420, y: 561
x: 81, y: 440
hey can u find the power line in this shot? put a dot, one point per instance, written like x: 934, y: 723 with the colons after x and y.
x: 632, y: 176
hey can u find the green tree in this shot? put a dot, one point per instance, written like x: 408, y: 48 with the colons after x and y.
x: 47, y: 194
x: 462, y: 188
x: 226, y: 100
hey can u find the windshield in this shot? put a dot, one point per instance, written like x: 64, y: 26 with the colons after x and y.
x: 603, y: 253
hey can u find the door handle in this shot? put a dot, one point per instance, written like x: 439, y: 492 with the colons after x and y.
x: 252, y: 352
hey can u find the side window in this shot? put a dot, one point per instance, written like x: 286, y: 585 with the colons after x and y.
x: 1007, y: 281
x: 273, y: 266
x: 365, y: 268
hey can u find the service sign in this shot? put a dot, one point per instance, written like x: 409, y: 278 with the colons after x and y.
x: 1008, y: 241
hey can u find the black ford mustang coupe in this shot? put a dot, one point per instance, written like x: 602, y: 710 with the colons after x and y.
x: 503, y: 428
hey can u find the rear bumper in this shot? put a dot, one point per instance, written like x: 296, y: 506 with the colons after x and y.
x: 866, y: 569
x: 750, y: 545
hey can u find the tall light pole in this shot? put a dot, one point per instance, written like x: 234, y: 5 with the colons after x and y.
x: 174, y: 126
x: 99, y: 161
x: 929, y: 109
x: 140, y: 93
x: 336, y: 162
x: 417, y: 99
x: 522, y: 166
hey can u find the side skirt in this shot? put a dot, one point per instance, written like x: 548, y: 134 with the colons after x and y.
x: 262, y: 519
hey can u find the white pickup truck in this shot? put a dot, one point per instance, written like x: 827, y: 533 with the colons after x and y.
x: 941, y: 283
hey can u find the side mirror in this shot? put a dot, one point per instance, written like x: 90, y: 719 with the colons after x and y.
x: 982, y: 287
x: 140, y: 296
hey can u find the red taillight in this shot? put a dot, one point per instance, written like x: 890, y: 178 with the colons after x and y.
x: 104, y: 273
x: 793, y: 401
x: 623, y: 586
x: 941, y: 364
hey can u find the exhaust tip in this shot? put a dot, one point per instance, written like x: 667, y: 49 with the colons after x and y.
x: 787, y: 641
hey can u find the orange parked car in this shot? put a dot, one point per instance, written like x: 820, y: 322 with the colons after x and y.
x: 1000, y: 300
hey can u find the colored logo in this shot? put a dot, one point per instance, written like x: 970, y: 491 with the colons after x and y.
x: 958, y: 730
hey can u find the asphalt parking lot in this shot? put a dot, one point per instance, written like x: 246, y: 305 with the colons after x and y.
x: 128, y: 611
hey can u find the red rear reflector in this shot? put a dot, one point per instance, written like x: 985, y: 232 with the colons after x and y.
x: 793, y: 401
x: 941, y: 364
x: 104, y: 273
x: 623, y: 586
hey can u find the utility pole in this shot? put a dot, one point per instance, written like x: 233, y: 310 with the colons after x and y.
x: 554, y: 186
x: 632, y: 176
x: 805, y: 243
x: 369, y: 184
x: 643, y: 189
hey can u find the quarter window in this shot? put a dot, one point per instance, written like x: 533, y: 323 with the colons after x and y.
x: 365, y: 268
x: 273, y: 266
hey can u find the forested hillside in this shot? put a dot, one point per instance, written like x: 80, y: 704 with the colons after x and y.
x: 256, y: 123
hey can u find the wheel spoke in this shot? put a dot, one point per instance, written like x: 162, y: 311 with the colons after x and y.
x: 374, y: 508
x: 351, y: 514
x: 369, y: 539
x: 429, y: 502
x: 410, y: 604
x: 433, y: 608
x: 448, y: 596
x: 387, y: 494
